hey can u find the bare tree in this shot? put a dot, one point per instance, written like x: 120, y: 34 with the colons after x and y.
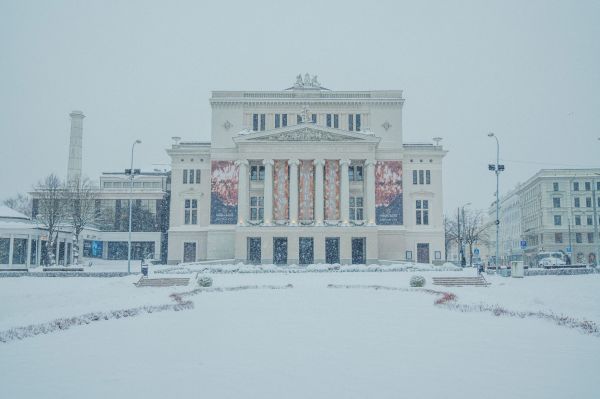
x: 473, y: 230
x: 51, y: 210
x: 449, y: 234
x: 80, y: 204
x: 20, y: 203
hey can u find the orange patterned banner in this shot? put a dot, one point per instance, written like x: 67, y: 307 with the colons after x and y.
x: 332, y: 190
x: 281, y: 190
x: 306, y: 192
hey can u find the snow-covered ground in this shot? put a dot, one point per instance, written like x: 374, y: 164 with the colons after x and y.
x: 306, y: 341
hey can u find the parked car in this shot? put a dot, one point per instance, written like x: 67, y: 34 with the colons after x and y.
x: 551, y: 261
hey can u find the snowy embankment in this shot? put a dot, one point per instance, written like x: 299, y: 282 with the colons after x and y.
x: 185, y: 268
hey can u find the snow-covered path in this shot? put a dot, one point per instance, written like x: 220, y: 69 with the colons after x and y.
x: 309, y: 341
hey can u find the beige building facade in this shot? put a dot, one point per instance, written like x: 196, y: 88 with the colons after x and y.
x: 306, y: 175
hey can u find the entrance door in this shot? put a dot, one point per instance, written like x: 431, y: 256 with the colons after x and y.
x: 254, y: 254
x: 307, y: 255
x: 332, y: 250
x: 279, y: 250
x: 423, y: 253
x: 358, y: 251
x: 189, y: 251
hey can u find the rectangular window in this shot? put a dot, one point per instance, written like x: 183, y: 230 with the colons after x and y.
x: 283, y: 120
x: 262, y: 122
x: 256, y: 208
x: 408, y: 255
x: 197, y: 176
x: 358, y: 122
x: 354, y: 122
x: 557, y: 220
x: 590, y: 237
x: 558, y: 238
x: 255, y: 122
x: 356, y: 208
x: 328, y: 120
x: 277, y: 121
x: 577, y: 220
x: 415, y: 181
x: 577, y: 202
x: 590, y: 221
x: 191, y: 176
x: 588, y: 186
x: 257, y: 172
x: 588, y: 202
x: 575, y: 186
x: 578, y: 238
x: 598, y: 186
x: 556, y: 202
x: 555, y: 186
x: 421, y: 177
x: 350, y: 122
x: 185, y: 176
x: 422, y: 209
x: 355, y: 173
x: 427, y: 177
x: 298, y: 119
x: 314, y: 118
x: 191, y: 211
x: 336, y: 121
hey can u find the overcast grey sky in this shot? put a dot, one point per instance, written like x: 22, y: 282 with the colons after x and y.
x: 527, y: 70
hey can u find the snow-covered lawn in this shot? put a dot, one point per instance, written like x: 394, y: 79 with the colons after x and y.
x: 309, y: 341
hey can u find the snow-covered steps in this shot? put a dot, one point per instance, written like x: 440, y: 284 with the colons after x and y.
x: 162, y: 282
x: 479, y: 281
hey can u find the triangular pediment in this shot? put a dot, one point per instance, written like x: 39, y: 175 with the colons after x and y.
x: 305, y: 133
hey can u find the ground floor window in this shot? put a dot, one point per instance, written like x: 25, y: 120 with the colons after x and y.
x: 423, y: 253
x: 307, y: 254
x: 359, y: 251
x: 33, y: 255
x: 189, y: 251
x: 92, y: 249
x: 332, y: 250
x: 280, y: 250
x: 19, y: 251
x: 254, y: 250
x: 4, y: 250
x: 117, y: 250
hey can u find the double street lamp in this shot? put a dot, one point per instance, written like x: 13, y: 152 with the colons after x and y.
x: 461, y: 247
x: 131, y: 173
x: 497, y: 168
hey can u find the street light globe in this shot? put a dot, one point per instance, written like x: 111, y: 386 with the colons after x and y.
x: 490, y: 134
x: 138, y: 141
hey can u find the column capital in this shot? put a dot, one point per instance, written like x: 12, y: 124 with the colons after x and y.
x: 242, y: 162
x: 318, y: 162
x: 268, y: 162
x: 370, y: 162
x: 344, y: 162
x: 293, y: 162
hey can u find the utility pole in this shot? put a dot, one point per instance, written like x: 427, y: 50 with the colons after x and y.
x: 497, y: 169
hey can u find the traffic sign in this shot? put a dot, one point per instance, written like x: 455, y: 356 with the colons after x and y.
x: 476, y: 252
x: 569, y: 250
x: 523, y: 244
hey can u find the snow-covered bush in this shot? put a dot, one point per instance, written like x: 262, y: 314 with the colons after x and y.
x: 417, y: 281
x: 205, y: 281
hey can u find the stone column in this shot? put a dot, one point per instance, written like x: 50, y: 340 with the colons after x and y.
x: 268, y: 193
x: 28, y: 254
x: 293, y: 191
x: 11, y: 243
x: 319, y: 205
x: 370, y: 193
x: 344, y: 192
x: 243, y: 201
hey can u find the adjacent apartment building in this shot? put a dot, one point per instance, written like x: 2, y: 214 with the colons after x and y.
x: 306, y: 175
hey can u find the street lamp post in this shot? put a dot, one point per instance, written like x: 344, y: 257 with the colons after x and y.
x: 131, y: 173
x: 497, y: 168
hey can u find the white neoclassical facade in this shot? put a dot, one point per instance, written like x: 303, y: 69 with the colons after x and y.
x: 306, y: 175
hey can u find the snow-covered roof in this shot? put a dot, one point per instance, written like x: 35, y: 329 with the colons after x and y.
x: 9, y: 213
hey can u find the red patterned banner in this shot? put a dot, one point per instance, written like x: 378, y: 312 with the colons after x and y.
x: 281, y: 190
x: 388, y: 192
x: 306, y: 192
x: 224, y: 192
x: 332, y: 190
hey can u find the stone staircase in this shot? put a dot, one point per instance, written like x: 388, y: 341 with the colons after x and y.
x: 479, y: 281
x: 162, y: 282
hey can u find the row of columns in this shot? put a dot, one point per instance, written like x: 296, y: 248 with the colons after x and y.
x: 368, y: 198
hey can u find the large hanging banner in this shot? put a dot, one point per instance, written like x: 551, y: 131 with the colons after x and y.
x: 223, y: 192
x: 332, y: 190
x: 281, y: 190
x: 388, y: 192
x: 306, y: 191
